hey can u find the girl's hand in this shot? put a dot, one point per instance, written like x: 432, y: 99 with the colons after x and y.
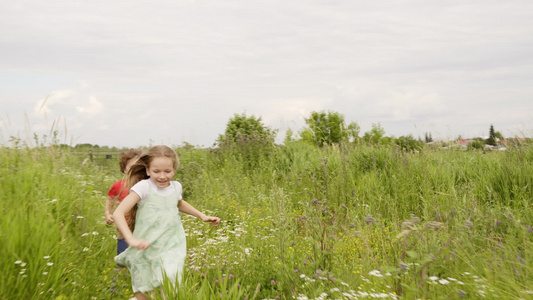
x: 138, y: 243
x: 214, y: 220
x: 109, y: 219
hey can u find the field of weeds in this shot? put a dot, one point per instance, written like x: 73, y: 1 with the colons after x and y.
x: 298, y: 222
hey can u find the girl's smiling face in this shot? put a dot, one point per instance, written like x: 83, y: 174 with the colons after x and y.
x: 161, y: 171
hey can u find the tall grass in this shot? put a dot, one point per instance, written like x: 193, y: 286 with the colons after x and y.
x: 348, y: 221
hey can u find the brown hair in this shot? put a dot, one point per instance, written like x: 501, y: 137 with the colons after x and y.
x: 126, y: 156
x: 137, y: 172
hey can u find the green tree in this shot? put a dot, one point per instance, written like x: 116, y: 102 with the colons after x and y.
x: 246, y: 141
x: 326, y: 128
x: 242, y: 127
x: 409, y: 143
x: 427, y: 137
x: 375, y: 135
x: 492, y: 136
x: 476, y: 144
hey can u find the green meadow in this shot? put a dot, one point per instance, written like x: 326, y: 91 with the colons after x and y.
x: 350, y: 221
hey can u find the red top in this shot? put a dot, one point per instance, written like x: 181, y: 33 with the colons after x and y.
x: 118, y: 187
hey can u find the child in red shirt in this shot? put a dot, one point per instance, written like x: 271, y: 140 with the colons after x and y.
x: 119, y: 190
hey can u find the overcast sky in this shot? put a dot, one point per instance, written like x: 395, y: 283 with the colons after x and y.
x: 132, y: 73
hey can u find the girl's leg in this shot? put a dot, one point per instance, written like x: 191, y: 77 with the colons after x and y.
x: 141, y: 296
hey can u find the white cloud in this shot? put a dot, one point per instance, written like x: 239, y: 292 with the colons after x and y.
x: 93, y: 108
x: 45, y: 105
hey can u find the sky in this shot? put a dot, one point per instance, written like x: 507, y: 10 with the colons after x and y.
x: 134, y: 73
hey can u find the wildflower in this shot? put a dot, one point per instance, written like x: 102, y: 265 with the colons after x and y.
x: 369, y: 219
x: 443, y: 281
x: 296, y: 271
x: 95, y: 233
x: 50, y: 264
x: 461, y: 293
x: 45, y: 273
x: 376, y: 273
x: 17, y: 262
x: 85, y: 234
x: 272, y: 281
x: 434, y: 278
x: 85, y: 249
x: 79, y: 217
x: 305, y: 263
x: 314, y: 201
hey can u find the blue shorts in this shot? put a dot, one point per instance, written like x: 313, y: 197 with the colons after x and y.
x: 121, y: 246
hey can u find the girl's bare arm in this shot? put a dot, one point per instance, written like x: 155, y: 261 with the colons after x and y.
x: 185, y: 207
x: 119, y: 217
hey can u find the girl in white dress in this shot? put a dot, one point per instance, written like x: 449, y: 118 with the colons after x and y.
x: 157, y: 246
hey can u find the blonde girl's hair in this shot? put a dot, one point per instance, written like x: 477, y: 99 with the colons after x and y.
x: 125, y: 157
x: 137, y: 171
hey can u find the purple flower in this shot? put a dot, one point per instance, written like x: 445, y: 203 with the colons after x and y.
x: 272, y: 282
x: 305, y: 263
x: 296, y: 271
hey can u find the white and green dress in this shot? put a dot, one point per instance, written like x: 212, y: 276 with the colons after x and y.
x: 158, y: 222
